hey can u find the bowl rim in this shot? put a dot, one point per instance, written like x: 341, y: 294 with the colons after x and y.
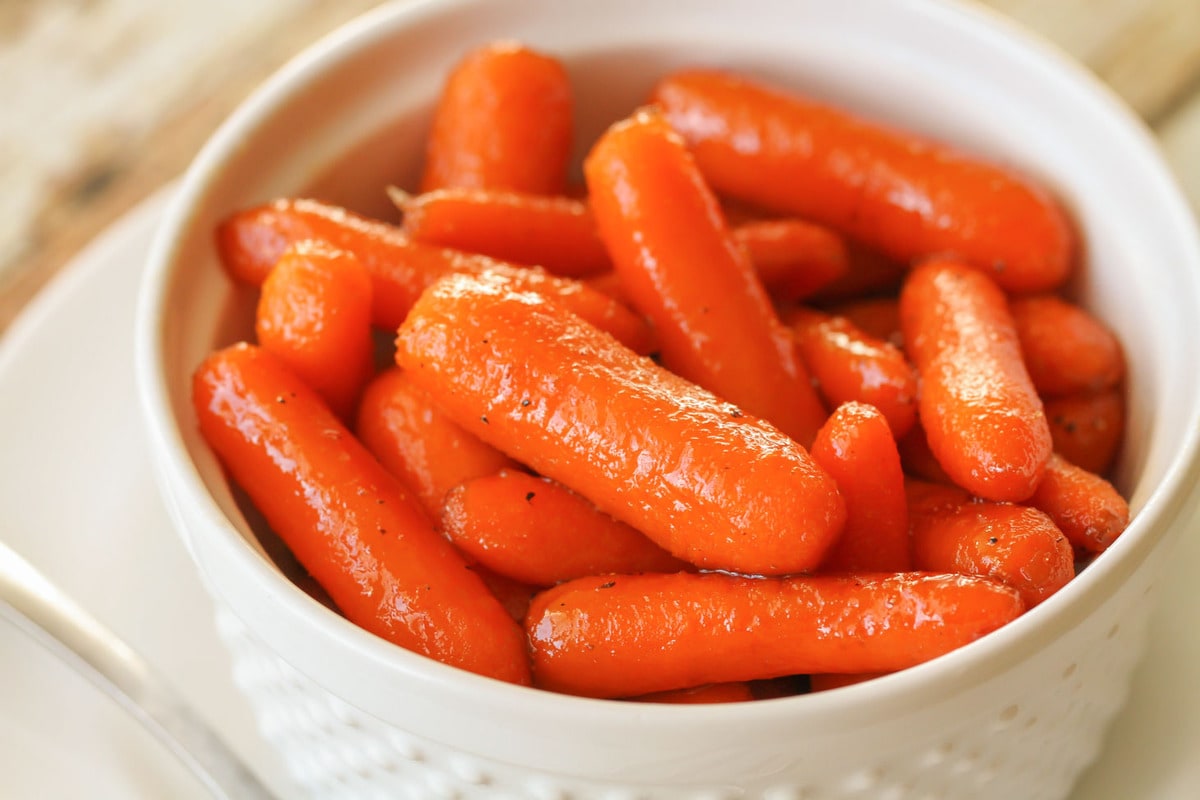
x: 183, y: 486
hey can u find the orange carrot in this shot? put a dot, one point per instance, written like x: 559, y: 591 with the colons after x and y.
x: 251, y: 241
x: 513, y: 595
x: 670, y: 245
x: 418, y: 443
x: 706, y: 481
x: 982, y: 417
x: 504, y: 121
x: 739, y: 692
x: 1087, y: 428
x: 793, y: 258
x: 628, y: 635
x: 1085, y: 507
x: 856, y: 447
x: 908, y: 197
x: 314, y: 314
x: 848, y: 365
x: 1066, y: 349
x: 351, y: 524
x: 823, y: 683
x: 869, y: 273
x: 1016, y: 545
x: 541, y: 533
x: 557, y: 233
x: 925, y: 497
x: 918, y: 459
x: 875, y: 316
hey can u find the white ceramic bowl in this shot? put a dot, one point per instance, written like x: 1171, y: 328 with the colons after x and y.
x: 1015, y: 715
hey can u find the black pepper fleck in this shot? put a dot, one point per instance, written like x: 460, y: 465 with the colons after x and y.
x: 525, y: 403
x: 992, y: 540
x: 608, y: 585
x: 529, y: 496
x: 483, y: 419
x: 280, y: 399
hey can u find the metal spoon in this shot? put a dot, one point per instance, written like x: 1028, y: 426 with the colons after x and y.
x: 38, y: 607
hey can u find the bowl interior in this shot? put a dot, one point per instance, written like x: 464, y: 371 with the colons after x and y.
x: 350, y: 117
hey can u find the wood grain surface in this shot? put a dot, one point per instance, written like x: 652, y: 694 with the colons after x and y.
x: 103, y: 101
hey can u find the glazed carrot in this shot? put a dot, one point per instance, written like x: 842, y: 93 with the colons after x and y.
x: 513, y: 595
x: 418, y: 443
x: 875, y: 316
x: 351, y: 524
x: 848, y: 365
x: 982, y: 417
x: 610, y: 284
x: 1066, y: 349
x: 251, y: 241
x: 738, y: 692
x: 314, y: 314
x: 869, y: 273
x: 908, y: 197
x: 557, y: 233
x: 504, y: 121
x: 628, y: 635
x: 918, y: 459
x: 670, y: 245
x: 1087, y: 428
x: 856, y: 447
x: 541, y: 533
x: 1085, y: 507
x: 793, y: 258
x: 1016, y: 545
x: 703, y: 479
x: 925, y: 497
x: 823, y: 683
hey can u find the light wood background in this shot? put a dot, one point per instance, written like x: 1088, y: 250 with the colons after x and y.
x: 103, y: 101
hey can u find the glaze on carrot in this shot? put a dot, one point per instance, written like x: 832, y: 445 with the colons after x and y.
x: 875, y: 316
x: 983, y: 419
x: 669, y: 243
x: 252, y: 240
x: 1066, y: 349
x: 1085, y: 507
x: 1087, y: 428
x: 503, y: 121
x: 314, y: 314
x: 557, y: 233
x: 628, y: 635
x: 1019, y: 546
x: 850, y: 366
x: 418, y: 443
x: 702, y: 478
x: 909, y: 197
x: 351, y: 524
x: 918, y: 459
x: 541, y: 533
x: 856, y: 447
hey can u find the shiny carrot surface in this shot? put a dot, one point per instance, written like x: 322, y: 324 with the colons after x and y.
x: 793, y: 258
x: 352, y: 525
x: 1067, y: 350
x: 1085, y: 507
x: 1087, y: 428
x: 680, y: 265
x: 628, y: 635
x: 909, y: 197
x: 981, y: 415
x: 701, y: 477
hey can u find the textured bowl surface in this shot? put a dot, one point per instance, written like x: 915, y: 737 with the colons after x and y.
x: 1017, y: 714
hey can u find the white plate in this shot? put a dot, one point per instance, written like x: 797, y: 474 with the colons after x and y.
x: 77, y: 499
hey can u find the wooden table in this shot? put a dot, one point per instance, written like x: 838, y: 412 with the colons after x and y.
x: 104, y: 101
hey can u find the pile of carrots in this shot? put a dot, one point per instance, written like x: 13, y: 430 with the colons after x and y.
x: 778, y: 392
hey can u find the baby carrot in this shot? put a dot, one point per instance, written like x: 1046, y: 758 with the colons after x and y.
x: 628, y: 635
x: 848, y: 365
x: 418, y: 443
x: 513, y: 595
x: 738, y: 692
x: 906, y: 196
x: 1016, y: 545
x: 703, y: 479
x: 856, y: 447
x: 557, y: 233
x: 1066, y: 349
x: 314, y: 314
x: 1085, y: 507
x: 351, y: 524
x: 251, y: 241
x: 791, y: 257
x: 982, y: 417
x: 1087, y: 428
x: 869, y: 273
x: 504, y: 121
x: 541, y: 533
x: 670, y: 245
x: 875, y: 316
x: 925, y: 497
x: 918, y: 459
